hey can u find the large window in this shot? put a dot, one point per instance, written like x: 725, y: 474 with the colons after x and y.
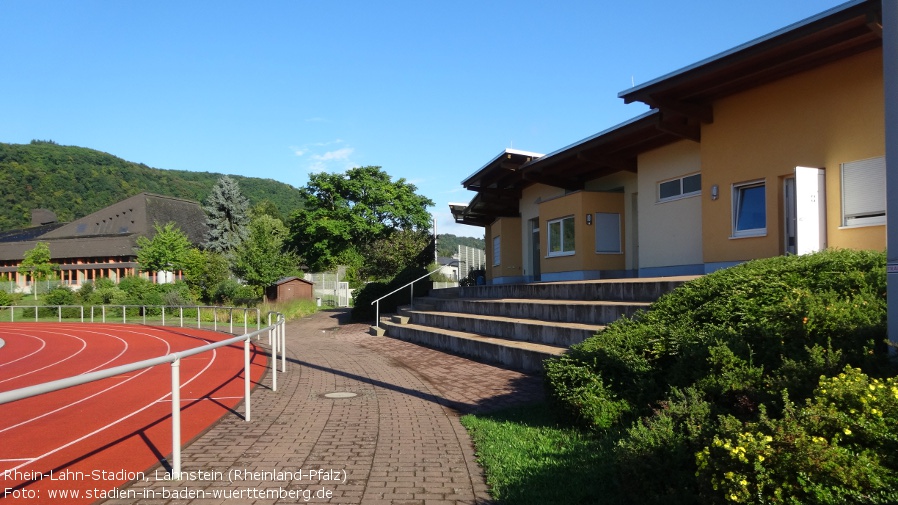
x: 749, y: 209
x: 864, y: 192
x: 561, y: 236
x: 680, y: 187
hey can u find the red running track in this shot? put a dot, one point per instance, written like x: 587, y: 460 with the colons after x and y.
x: 95, y: 437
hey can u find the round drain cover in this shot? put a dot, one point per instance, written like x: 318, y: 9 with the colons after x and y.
x: 340, y: 394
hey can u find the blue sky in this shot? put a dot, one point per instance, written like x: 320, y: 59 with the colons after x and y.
x: 280, y: 89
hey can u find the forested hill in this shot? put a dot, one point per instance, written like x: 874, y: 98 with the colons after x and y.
x: 75, y: 181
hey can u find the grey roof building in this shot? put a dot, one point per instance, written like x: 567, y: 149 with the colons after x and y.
x: 101, y: 244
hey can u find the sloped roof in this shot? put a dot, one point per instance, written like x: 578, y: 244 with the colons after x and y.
x: 109, y: 232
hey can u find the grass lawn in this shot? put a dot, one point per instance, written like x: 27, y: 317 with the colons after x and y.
x: 530, y: 459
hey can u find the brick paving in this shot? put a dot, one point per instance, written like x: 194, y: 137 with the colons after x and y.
x: 398, y: 441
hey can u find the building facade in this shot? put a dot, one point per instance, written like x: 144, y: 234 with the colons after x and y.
x: 773, y: 147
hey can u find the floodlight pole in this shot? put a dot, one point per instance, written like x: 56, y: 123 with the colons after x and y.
x: 890, y: 86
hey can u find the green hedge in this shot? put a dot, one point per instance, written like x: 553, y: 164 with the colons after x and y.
x: 718, y: 355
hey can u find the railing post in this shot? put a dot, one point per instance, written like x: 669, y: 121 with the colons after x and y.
x: 274, y: 358
x: 231, y: 319
x: 104, y: 313
x: 246, y: 379
x: 124, y: 314
x: 282, y: 329
x: 59, y: 312
x: 176, y: 418
x: 377, y: 314
x: 163, y: 315
x: 82, y: 313
x: 143, y: 310
x: 198, y: 323
x: 181, y: 317
x: 214, y: 319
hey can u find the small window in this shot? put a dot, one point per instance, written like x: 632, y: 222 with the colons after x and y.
x: 681, y: 187
x: 749, y: 209
x: 864, y: 192
x: 561, y: 236
x: 608, y: 233
x: 497, y: 250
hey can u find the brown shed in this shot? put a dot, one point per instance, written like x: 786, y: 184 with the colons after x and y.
x: 289, y: 288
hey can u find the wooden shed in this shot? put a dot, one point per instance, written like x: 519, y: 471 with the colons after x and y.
x: 289, y: 288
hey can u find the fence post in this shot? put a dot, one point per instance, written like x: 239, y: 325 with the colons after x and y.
x: 59, y: 312
x: 163, y: 315
x: 182, y: 317
x: 176, y: 418
x: 246, y: 378
x: 283, y: 331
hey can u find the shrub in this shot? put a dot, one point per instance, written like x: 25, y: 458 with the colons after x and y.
x: 841, y: 447
x: 734, y: 340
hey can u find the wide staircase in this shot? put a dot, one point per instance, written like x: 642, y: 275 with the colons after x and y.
x: 520, y: 325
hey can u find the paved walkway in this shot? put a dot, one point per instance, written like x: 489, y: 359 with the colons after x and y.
x: 397, y: 441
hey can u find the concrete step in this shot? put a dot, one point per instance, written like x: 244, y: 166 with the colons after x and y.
x: 636, y: 289
x: 527, y: 356
x: 527, y: 330
x: 597, y: 313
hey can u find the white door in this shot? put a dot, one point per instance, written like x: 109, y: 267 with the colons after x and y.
x: 810, y: 210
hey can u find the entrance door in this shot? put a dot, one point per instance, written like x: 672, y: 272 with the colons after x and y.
x: 805, y: 211
x: 534, y: 249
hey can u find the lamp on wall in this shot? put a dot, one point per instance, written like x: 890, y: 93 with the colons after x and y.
x: 715, y: 192
x: 589, y: 220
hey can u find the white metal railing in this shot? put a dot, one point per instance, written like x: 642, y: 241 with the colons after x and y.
x: 276, y: 337
x: 411, y: 302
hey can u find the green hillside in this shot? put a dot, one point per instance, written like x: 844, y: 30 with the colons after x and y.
x: 75, y: 181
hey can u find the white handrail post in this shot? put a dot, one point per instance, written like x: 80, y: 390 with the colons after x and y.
x: 163, y: 315
x: 246, y: 378
x: 377, y: 314
x: 411, y: 302
x: 274, y: 360
x: 198, y: 323
x: 59, y: 312
x: 282, y: 329
x: 176, y: 418
x: 82, y: 313
x: 124, y: 314
x: 181, y: 316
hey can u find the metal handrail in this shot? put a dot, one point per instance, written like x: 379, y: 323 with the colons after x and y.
x: 412, y: 301
x: 276, y: 333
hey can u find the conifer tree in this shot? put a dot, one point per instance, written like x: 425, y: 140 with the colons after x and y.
x: 227, y: 212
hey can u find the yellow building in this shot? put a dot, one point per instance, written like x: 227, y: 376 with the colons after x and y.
x: 773, y: 147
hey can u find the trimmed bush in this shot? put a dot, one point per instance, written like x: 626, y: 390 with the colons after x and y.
x: 716, y: 355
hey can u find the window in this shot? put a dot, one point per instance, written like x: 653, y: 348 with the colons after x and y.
x: 497, y: 250
x: 682, y: 187
x: 561, y: 237
x: 608, y: 236
x: 749, y: 209
x: 864, y: 192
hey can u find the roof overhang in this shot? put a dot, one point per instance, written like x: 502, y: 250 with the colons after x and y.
x: 498, y: 185
x: 685, y: 97
x: 607, y: 152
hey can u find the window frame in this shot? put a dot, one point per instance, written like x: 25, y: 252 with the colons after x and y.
x: 497, y: 250
x: 737, y: 209
x: 681, y: 183
x: 561, y: 232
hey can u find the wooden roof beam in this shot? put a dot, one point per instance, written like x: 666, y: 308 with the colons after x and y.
x: 679, y: 127
x: 617, y: 162
x: 700, y: 112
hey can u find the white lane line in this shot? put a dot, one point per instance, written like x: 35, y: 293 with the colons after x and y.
x: 85, y: 398
x: 43, y: 344
x: 117, y: 421
x: 36, y: 370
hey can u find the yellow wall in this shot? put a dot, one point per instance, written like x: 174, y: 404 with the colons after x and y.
x: 508, y: 229
x: 820, y: 118
x: 578, y: 205
x: 670, y: 232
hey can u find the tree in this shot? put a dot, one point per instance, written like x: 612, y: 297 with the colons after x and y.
x: 204, y: 271
x: 37, y: 264
x: 165, y: 252
x: 391, y: 254
x: 349, y: 212
x: 262, y: 258
x: 227, y: 216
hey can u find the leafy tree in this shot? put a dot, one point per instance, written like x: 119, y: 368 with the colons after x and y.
x: 267, y: 207
x: 227, y: 211
x: 37, y: 264
x: 262, y: 259
x: 204, y: 271
x: 351, y: 211
x: 447, y: 243
x: 166, y: 251
x: 395, y: 252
